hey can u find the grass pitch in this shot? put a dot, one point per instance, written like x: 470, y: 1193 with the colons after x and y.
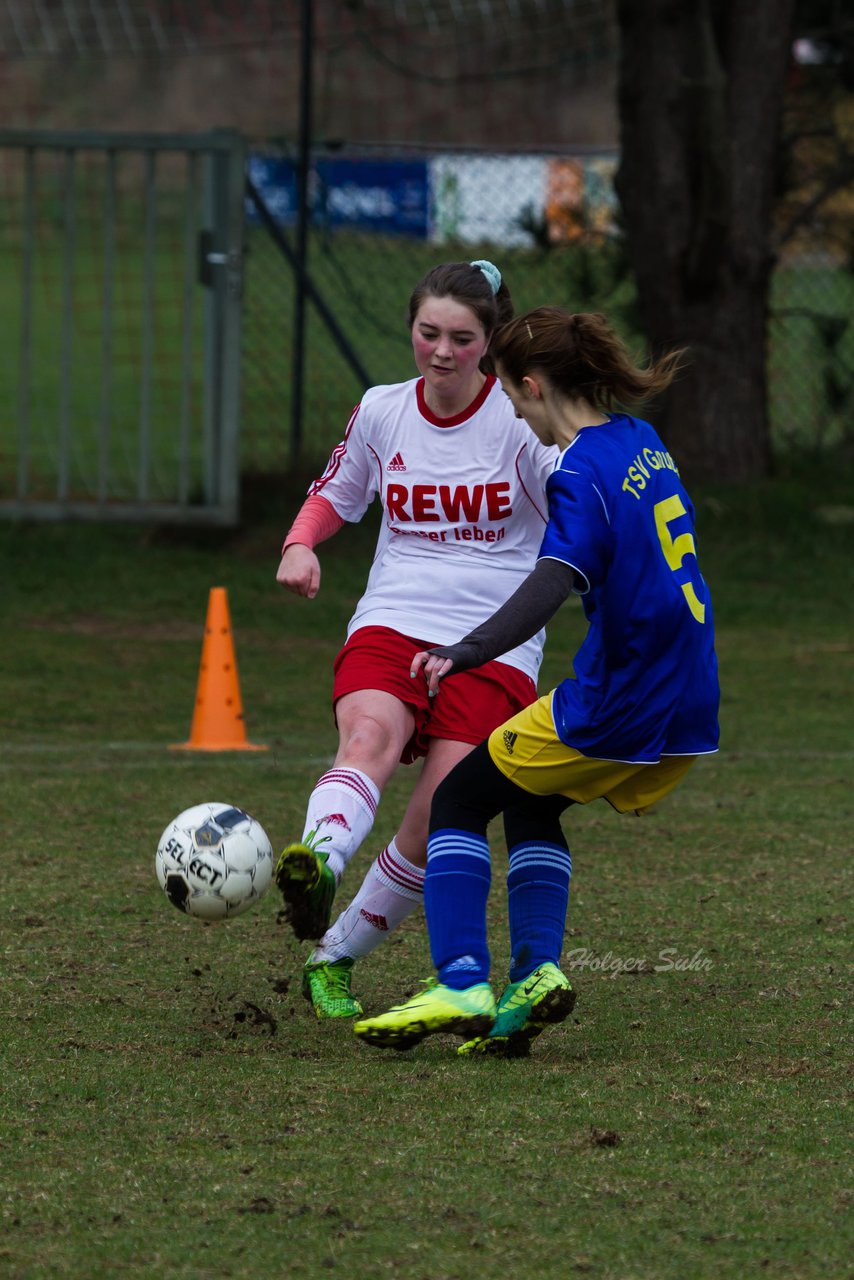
x: 170, y: 1106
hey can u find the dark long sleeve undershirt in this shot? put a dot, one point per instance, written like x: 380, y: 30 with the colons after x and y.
x: 528, y: 609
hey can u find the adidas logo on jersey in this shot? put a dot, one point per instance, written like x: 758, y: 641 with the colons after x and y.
x: 509, y: 741
x: 397, y: 463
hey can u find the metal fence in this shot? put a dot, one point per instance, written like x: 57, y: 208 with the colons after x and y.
x: 380, y: 217
x: 120, y: 283
x: 152, y: 308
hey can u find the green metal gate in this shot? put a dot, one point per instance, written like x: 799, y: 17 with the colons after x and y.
x: 121, y: 270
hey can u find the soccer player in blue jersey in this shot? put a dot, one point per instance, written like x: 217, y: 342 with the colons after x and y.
x: 641, y: 705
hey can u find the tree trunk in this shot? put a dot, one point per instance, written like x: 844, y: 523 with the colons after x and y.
x: 700, y: 100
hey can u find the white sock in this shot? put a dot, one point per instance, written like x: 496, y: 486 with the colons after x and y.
x: 342, y: 806
x: 392, y: 889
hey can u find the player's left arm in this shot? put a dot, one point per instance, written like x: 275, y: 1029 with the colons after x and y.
x: 530, y: 607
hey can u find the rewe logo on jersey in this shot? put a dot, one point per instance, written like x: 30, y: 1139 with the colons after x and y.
x: 491, y: 501
x: 397, y: 463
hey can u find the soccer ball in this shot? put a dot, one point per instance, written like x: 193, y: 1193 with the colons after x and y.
x: 214, y: 861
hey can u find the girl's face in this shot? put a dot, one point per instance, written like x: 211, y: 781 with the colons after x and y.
x: 553, y: 417
x: 448, y: 341
x: 526, y: 398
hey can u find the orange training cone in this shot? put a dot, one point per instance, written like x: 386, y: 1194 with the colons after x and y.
x: 218, y: 716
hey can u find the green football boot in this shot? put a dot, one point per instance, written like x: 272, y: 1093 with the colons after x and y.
x: 525, y: 1009
x: 307, y: 886
x: 437, y: 1008
x: 326, y: 985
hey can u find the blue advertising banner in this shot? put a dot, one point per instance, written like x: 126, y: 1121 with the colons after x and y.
x: 388, y: 196
x: 391, y: 196
x: 276, y: 181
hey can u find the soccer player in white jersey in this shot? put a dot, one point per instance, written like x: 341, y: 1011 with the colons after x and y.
x: 461, y: 482
x: 639, y: 708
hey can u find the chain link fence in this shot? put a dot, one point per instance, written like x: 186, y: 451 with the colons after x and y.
x: 380, y: 221
x: 513, y: 106
x: 382, y: 217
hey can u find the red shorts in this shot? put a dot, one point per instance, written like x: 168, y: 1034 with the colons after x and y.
x: 467, y: 708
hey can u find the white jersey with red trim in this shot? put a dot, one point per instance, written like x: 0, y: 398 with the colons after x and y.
x: 464, y: 511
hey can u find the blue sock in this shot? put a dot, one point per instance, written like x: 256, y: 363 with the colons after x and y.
x: 456, y: 887
x: 537, y: 897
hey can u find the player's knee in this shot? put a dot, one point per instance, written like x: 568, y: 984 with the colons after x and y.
x: 471, y: 794
x: 368, y: 739
x: 534, y: 817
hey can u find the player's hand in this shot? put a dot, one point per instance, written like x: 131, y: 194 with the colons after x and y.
x: 299, y: 571
x: 434, y: 668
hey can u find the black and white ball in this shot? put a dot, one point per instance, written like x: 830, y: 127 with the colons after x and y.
x: 214, y: 861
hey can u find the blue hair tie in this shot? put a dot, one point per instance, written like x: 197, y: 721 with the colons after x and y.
x: 491, y: 272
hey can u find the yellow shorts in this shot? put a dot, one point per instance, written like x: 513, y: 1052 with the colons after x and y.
x: 528, y: 751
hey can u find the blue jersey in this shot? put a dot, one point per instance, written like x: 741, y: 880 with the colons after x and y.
x: 646, y: 678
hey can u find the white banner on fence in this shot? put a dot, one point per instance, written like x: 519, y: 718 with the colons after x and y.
x: 485, y: 198
x: 514, y: 200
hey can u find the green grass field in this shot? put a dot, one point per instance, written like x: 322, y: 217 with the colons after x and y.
x: 170, y: 1106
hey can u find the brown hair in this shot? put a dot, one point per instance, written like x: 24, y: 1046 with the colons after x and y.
x: 581, y: 355
x: 467, y: 284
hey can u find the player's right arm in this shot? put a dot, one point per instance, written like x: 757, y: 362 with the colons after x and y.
x: 342, y: 493
x: 299, y: 568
